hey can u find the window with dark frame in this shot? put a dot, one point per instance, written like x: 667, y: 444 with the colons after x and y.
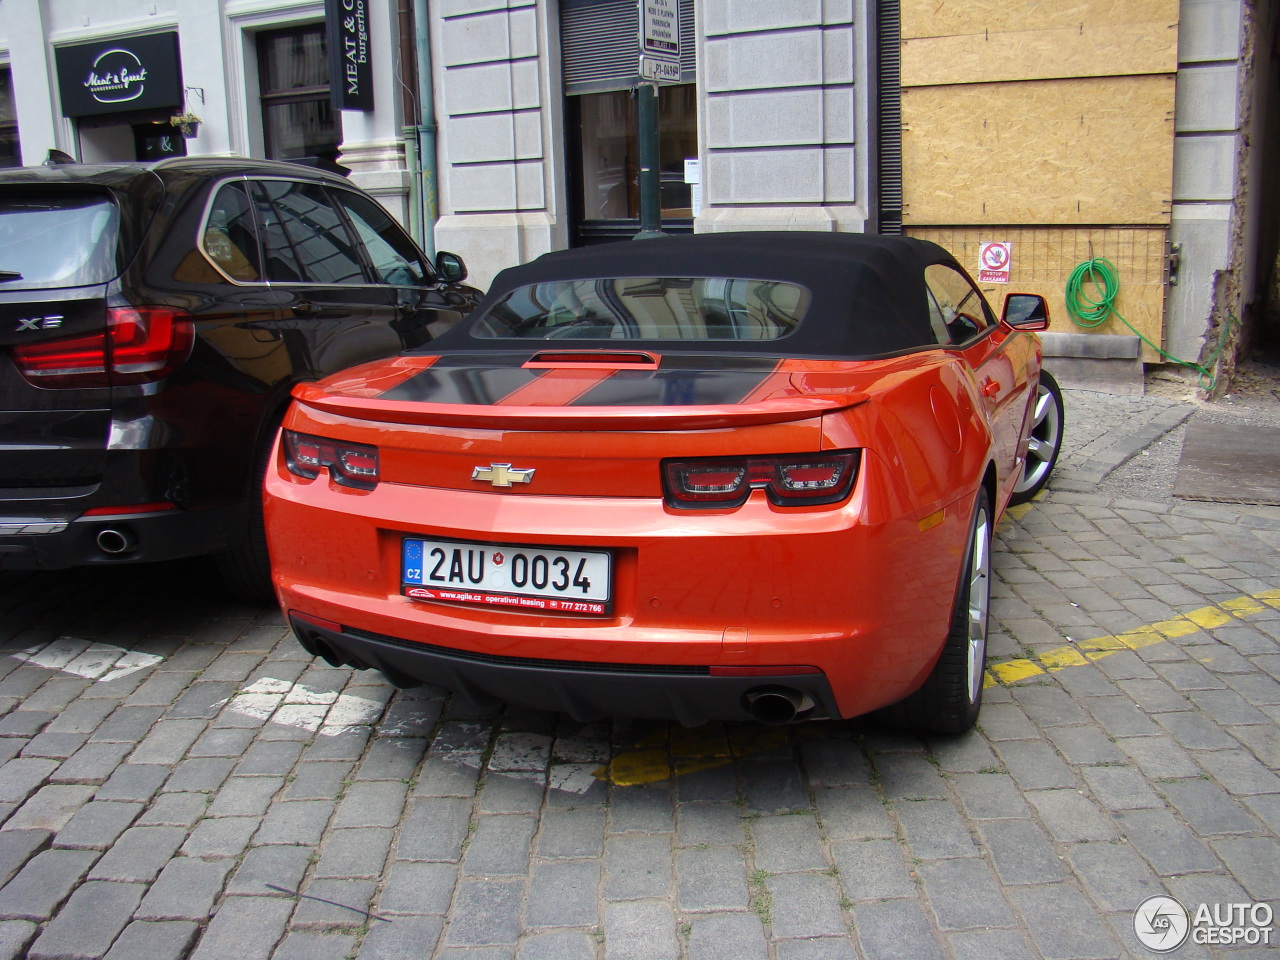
x: 601, y: 59
x: 391, y: 253
x: 298, y: 121
x: 609, y: 153
x: 10, y: 148
x: 304, y: 235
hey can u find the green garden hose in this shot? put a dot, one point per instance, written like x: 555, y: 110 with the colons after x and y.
x: 1094, y: 310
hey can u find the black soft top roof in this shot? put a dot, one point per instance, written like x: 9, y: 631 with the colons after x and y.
x: 868, y: 293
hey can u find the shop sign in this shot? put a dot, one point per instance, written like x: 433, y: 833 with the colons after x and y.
x: 119, y: 75
x: 350, y: 60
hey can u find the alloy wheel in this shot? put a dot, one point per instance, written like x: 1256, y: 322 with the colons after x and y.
x: 1046, y: 437
x: 979, y: 603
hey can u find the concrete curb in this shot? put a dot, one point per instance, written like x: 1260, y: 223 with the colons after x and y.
x: 1082, y: 477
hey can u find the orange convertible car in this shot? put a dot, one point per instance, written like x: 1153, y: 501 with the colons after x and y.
x: 708, y: 477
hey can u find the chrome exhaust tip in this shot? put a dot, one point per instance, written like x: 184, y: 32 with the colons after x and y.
x: 777, y: 705
x: 116, y: 541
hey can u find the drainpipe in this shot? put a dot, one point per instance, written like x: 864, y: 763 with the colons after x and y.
x: 410, y: 135
x: 426, y: 130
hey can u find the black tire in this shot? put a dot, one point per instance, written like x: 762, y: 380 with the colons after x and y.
x: 951, y: 697
x: 1045, y: 441
x: 246, y: 567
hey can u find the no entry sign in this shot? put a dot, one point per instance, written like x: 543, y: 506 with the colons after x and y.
x: 994, y: 258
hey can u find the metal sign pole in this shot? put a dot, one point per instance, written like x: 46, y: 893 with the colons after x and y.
x: 650, y: 183
x: 659, y: 44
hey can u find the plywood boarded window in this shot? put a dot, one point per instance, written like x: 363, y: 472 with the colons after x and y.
x: 1050, y: 126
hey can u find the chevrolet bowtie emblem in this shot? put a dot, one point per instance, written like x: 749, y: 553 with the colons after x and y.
x: 501, y: 474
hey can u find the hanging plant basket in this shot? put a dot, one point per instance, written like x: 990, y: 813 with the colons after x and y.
x: 188, y: 124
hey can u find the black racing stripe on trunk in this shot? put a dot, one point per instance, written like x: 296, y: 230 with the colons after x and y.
x: 484, y: 359
x: 470, y: 384
x: 679, y: 382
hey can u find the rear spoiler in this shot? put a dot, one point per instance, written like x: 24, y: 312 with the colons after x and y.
x: 701, y: 417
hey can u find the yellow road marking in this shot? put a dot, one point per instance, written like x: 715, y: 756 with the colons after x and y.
x: 673, y: 752
x: 1011, y: 671
x: 1063, y: 657
x: 676, y: 751
x: 1209, y: 617
x: 1021, y: 510
x: 1081, y: 653
x: 1243, y: 606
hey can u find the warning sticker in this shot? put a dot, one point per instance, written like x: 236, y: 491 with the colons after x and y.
x: 994, y: 259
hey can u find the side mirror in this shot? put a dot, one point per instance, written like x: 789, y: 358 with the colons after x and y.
x: 450, y: 268
x: 1026, y: 311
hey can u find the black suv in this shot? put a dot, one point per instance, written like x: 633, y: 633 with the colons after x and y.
x: 153, y: 319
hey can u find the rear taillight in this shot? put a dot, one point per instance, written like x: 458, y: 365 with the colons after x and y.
x: 147, y: 343
x: 350, y: 464
x: 139, y: 345
x: 790, y: 480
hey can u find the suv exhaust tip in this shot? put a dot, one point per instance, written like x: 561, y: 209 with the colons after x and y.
x: 116, y: 541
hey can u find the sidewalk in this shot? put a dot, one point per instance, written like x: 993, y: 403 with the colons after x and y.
x: 1129, y: 447
x: 1103, y: 432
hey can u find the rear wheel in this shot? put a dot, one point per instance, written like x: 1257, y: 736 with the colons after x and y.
x: 950, y: 698
x: 1045, y: 442
x: 246, y: 567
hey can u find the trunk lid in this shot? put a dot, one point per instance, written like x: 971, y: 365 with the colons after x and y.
x: 594, y: 424
x: 58, y: 254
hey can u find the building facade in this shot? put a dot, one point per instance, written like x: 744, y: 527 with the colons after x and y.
x: 785, y: 116
x: 767, y: 128
x: 256, y: 75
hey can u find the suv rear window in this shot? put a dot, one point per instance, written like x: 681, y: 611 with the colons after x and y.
x: 648, y: 308
x: 57, y: 239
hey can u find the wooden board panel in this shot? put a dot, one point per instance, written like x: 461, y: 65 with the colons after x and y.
x: 1089, y: 50
x: 1081, y: 151
x: 948, y: 18
x: 1043, y: 258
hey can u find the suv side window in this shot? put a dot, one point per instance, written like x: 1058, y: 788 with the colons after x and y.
x: 230, y: 237
x: 304, y: 236
x: 394, y: 258
x: 963, y: 312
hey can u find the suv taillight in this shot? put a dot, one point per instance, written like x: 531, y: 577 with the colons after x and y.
x: 350, y: 464
x: 790, y: 480
x: 139, y: 345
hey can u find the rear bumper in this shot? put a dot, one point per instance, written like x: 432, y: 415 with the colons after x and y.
x: 59, y: 543
x: 859, y: 591
x: 584, y: 691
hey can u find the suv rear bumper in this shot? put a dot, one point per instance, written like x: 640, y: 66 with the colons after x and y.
x: 53, y: 543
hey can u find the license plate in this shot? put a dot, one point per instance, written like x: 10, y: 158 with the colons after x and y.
x: 512, y: 576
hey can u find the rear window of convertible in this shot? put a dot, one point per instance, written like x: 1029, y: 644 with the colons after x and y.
x: 647, y: 308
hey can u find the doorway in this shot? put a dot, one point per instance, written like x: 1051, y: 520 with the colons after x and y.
x: 604, y: 168
x: 1261, y: 338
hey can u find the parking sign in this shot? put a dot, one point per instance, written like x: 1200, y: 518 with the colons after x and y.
x: 660, y: 40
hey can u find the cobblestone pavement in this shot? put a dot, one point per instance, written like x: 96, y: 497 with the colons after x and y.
x: 180, y: 779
